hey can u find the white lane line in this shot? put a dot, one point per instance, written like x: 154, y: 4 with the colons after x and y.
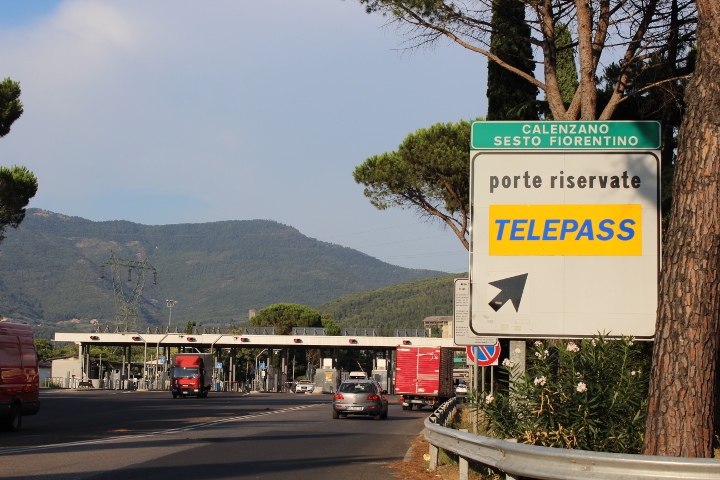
x: 151, y: 434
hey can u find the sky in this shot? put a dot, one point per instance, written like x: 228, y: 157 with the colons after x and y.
x: 180, y: 111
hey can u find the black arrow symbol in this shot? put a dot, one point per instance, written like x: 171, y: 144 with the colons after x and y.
x: 510, y: 289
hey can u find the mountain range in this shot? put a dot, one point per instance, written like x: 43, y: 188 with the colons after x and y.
x: 60, y: 273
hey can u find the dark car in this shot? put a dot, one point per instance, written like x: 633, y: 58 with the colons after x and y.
x: 360, y: 397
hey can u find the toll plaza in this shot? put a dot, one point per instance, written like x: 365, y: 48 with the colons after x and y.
x: 157, y: 348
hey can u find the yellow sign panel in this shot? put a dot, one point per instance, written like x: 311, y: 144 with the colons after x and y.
x: 594, y: 230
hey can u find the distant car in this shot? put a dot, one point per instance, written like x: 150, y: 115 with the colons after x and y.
x: 461, y: 389
x: 304, y: 386
x: 360, y: 397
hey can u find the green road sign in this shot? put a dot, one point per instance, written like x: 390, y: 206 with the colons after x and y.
x: 596, y: 135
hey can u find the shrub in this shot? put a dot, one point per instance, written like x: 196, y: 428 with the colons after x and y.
x: 588, y: 394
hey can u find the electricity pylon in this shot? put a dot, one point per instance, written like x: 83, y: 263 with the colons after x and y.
x: 127, y: 302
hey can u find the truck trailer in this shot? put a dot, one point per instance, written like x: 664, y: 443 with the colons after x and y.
x: 191, y: 374
x: 423, y: 376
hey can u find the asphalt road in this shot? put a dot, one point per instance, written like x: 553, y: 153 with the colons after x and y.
x: 113, y: 435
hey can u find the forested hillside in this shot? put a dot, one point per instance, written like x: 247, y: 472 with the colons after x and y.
x: 397, y: 306
x: 50, y: 273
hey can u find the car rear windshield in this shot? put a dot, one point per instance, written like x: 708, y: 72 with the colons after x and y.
x: 352, y: 387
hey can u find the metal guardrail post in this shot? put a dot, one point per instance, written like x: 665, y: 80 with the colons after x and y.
x: 464, y: 468
x: 433, y: 457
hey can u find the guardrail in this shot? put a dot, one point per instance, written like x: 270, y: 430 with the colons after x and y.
x: 516, y: 459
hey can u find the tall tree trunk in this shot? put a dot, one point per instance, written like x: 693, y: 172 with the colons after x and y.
x: 682, y: 386
x: 588, y: 87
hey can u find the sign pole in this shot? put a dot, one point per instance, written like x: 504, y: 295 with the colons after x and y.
x: 480, y: 398
x: 492, y: 372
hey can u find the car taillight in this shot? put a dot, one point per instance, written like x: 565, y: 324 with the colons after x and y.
x: 338, y: 396
x: 373, y: 397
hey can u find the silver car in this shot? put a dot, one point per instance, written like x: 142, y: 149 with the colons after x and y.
x: 360, y: 397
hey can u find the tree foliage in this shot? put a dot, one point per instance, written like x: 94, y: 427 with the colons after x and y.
x: 632, y: 31
x: 510, y: 97
x: 333, y: 329
x: 10, y: 105
x: 17, y: 184
x: 285, y: 316
x: 44, y: 349
x: 428, y: 173
x: 566, y: 66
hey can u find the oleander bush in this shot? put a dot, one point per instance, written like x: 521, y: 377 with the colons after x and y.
x: 589, y: 394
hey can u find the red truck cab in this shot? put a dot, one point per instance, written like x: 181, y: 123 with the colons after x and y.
x: 19, y: 375
x: 191, y: 374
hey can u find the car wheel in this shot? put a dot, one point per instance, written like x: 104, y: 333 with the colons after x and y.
x: 174, y: 395
x: 14, y: 421
x: 384, y: 415
x: 405, y: 407
x: 378, y: 417
x: 336, y: 415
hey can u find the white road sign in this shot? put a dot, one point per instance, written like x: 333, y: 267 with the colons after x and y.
x: 461, y: 317
x: 566, y: 243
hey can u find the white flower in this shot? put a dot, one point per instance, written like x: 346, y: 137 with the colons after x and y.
x: 593, y: 342
x: 489, y: 399
x: 542, y: 355
x: 540, y: 381
x: 633, y: 373
x: 538, y: 343
x: 573, y: 347
x: 581, y: 387
x: 508, y: 363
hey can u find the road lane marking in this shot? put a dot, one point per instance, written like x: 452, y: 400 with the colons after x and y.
x: 160, y: 432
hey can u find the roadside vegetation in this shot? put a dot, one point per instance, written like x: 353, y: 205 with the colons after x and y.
x: 588, y: 394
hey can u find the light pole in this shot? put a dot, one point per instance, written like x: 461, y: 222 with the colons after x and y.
x: 257, y: 373
x: 170, y: 304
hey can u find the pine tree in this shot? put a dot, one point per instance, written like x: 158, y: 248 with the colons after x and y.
x: 510, y: 97
x: 566, y: 66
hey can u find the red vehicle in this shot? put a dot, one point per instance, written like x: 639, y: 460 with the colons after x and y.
x: 423, y: 376
x: 191, y: 374
x: 19, y: 375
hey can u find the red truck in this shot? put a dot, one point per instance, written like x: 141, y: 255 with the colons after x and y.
x: 423, y: 376
x: 19, y: 375
x: 191, y: 374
